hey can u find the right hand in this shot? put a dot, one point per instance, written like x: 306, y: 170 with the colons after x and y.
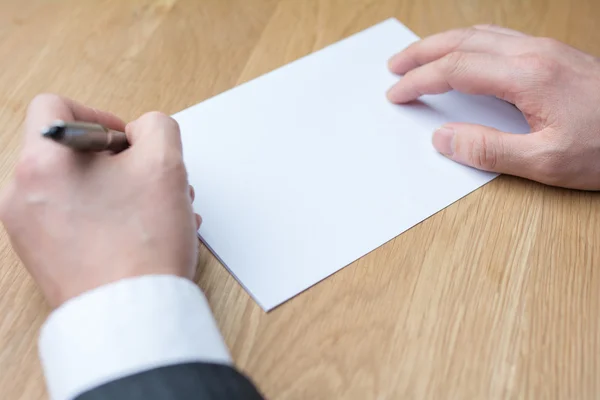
x: 557, y: 88
x: 79, y: 221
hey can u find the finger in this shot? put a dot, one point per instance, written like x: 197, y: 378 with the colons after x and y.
x: 192, y: 194
x: 472, y: 73
x: 198, y: 221
x: 47, y: 108
x: 155, y: 129
x: 89, y: 114
x: 489, y: 149
x: 500, y: 29
x: 463, y: 40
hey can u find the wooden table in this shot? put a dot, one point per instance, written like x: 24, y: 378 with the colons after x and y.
x: 498, y: 296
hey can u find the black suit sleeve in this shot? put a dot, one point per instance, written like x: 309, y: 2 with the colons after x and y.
x: 197, y: 381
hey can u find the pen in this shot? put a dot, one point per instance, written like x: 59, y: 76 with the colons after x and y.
x: 85, y: 136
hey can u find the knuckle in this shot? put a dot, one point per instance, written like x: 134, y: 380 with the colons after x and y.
x: 541, y: 66
x: 463, y: 36
x: 548, y: 45
x: 28, y: 169
x: 454, y: 63
x: 43, y: 99
x: 486, y: 26
x: 159, y: 118
x: 482, y: 154
x: 159, y: 122
x: 154, y: 116
x: 32, y: 168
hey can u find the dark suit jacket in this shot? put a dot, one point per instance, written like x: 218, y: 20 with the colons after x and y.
x: 197, y: 381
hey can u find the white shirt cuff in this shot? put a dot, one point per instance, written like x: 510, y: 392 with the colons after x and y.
x: 122, y: 328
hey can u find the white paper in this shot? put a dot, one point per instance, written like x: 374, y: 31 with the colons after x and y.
x: 302, y: 171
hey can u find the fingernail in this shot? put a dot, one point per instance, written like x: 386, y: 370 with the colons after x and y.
x: 130, y: 125
x: 388, y: 93
x: 391, y: 94
x: 442, y: 140
x: 390, y: 62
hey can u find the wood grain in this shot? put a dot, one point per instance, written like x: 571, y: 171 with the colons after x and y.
x: 495, y: 297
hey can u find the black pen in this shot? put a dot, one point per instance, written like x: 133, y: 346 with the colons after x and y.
x: 85, y: 136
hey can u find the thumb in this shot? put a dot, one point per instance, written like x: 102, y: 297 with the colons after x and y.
x: 155, y: 129
x: 486, y: 148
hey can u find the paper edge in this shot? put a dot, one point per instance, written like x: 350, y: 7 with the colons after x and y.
x: 239, y: 281
x: 292, y: 62
x: 278, y: 303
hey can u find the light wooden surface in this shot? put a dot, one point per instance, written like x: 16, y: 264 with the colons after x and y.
x: 496, y: 297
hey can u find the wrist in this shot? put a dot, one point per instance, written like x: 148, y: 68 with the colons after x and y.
x: 121, y: 328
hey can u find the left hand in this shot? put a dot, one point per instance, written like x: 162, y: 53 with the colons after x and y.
x: 555, y: 86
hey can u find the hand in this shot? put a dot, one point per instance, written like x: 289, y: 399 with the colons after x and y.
x: 78, y: 221
x: 556, y: 87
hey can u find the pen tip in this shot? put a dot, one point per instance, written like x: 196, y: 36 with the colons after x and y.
x: 53, y: 132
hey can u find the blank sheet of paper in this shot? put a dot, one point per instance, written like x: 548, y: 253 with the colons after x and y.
x: 302, y: 171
